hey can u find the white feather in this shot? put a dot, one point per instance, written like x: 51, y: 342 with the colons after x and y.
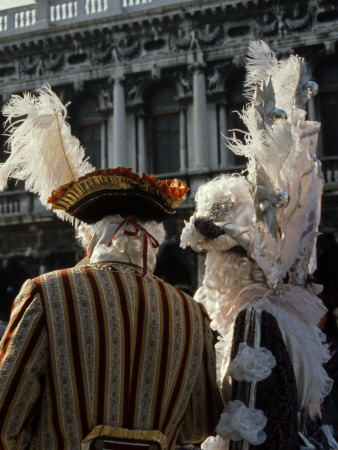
x: 285, y: 80
x: 261, y: 62
x: 273, y: 147
x: 43, y: 151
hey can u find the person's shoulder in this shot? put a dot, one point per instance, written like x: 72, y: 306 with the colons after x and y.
x: 55, y: 275
x: 185, y: 294
x: 175, y: 288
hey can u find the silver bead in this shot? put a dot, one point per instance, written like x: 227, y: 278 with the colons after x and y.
x: 264, y: 205
x: 313, y: 89
x: 300, y: 205
x: 279, y: 114
x: 283, y: 199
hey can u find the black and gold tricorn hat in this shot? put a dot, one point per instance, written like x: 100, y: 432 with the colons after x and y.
x: 118, y: 191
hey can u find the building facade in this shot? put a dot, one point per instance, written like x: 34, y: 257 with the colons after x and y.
x: 153, y: 85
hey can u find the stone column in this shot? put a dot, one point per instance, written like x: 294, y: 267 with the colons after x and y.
x: 141, y: 144
x: 311, y: 110
x: 105, y: 99
x: 104, y: 150
x: 225, y: 155
x: 200, y: 117
x: 183, y: 137
x: 120, y: 124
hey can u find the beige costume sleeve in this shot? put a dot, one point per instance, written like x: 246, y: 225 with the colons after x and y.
x: 205, y: 405
x: 23, y: 363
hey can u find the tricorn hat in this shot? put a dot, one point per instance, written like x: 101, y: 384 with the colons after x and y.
x: 118, y: 191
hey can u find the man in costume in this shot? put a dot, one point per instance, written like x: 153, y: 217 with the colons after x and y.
x: 259, y: 232
x: 103, y: 355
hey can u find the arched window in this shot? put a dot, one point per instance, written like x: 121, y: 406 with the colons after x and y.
x: 86, y: 126
x: 327, y: 103
x: 234, y: 87
x: 163, y: 130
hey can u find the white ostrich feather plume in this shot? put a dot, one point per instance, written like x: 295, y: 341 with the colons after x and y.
x: 260, y: 63
x: 285, y: 80
x: 272, y: 145
x: 43, y: 151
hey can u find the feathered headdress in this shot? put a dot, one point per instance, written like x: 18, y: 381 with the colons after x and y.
x: 43, y: 152
x: 282, y: 170
x: 282, y: 173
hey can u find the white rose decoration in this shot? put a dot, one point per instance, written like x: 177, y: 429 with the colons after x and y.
x: 215, y: 443
x: 252, y: 364
x: 239, y: 422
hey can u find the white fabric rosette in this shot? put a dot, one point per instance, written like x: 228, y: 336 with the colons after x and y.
x: 252, y: 364
x: 239, y: 422
x: 215, y: 443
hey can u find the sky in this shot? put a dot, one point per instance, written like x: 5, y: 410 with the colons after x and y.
x: 6, y: 4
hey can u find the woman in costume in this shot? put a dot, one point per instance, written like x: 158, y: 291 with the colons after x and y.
x: 259, y: 233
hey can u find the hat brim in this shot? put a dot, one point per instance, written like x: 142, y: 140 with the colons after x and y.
x: 97, y: 205
x: 119, y: 191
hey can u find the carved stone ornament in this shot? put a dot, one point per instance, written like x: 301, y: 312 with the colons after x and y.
x: 266, y: 25
x: 53, y: 61
x: 78, y: 85
x: 133, y: 86
x: 299, y: 20
x: 101, y: 52
x: 106, y: 99
x: 209, y: 34
x: 30, y: 65
x: 293, y: 20
x: 183, y: 40
x: 204, y: 35
x: 128, y: 48
x: 185, y: 79
x: 214, y: 77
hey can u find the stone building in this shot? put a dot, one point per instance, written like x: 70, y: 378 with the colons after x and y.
x: 159, y: 79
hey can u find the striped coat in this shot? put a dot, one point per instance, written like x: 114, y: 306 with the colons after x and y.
x: 103, y: 345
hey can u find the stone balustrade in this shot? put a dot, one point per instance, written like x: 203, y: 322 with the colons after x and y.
x: 330, y: 171
x: 47, y: 13
x: 20, y: 203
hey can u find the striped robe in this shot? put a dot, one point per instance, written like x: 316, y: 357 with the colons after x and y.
x: 104, y: 345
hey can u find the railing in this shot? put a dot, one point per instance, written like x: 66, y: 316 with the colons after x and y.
x: 330, y: 170
x: 26, y: 18
x: 127, y: 3
x: 63, y: 11
x: 19, y: 203
x: 56, y: 12
x: 3, y: 22
x: 16, y: 19
x: 96, y: 6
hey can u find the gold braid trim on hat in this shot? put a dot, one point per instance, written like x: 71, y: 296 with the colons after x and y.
x: 77, y: 191
x: 101, y: 432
